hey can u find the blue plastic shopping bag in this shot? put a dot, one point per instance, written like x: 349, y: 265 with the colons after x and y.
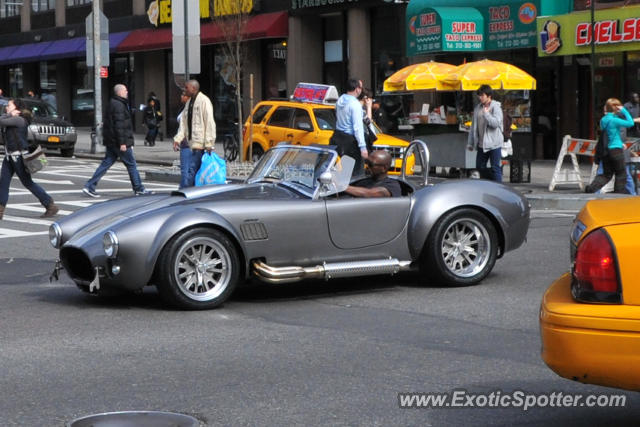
x: 213, y: 170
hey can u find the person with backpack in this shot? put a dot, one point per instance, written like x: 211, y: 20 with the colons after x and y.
x: 14, y: 124
x: 613, y: 161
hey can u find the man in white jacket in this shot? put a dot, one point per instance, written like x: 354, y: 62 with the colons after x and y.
x: 197, y: 126
x: 486, y: 134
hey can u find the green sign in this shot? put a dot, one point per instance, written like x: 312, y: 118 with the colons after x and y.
x: 434, y: 26
x: 616, y: 30
x: 446, y: 29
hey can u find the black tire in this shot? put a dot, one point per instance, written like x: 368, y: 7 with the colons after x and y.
x: 461, y: 249
x: 186, y: 285
x: 257, y: 152
x: 230, y: 148
x: 67, y: 152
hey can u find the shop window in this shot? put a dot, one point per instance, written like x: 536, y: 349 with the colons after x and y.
x: 82, y: 89
x: 16, y: 81
x: 42, y: 5
x: 48, y: 83
x: 9, y: 9
x: 280, y: 117
x: 77, y: 2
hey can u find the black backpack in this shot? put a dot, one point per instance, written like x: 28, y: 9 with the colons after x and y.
x: 602, y: 146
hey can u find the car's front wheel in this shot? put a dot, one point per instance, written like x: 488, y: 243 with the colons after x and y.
x: 461, y: 249
x: 198, y: 270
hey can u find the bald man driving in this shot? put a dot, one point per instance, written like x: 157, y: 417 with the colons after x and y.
x: 378, y: 184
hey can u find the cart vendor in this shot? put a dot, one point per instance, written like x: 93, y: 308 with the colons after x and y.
x: 485, y: 134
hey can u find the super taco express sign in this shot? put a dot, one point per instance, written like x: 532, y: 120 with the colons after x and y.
x: 614, y: 30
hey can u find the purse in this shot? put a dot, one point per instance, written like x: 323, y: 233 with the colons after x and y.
x: 35, y: 161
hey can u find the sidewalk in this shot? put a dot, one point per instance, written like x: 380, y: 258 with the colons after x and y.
x: 564, y: 197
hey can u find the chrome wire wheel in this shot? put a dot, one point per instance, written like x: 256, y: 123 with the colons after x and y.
x: 202, y: 268
x: 466, y: 247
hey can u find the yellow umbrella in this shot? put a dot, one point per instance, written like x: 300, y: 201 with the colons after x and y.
x: 421, y: 76
x: 498, y: 75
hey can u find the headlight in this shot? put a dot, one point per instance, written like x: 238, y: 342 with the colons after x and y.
x: 55, y: 235
x: 110, y: 244
x: 33, y: 128
x: 70, y: 129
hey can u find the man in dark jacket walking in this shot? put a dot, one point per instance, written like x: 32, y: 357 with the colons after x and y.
x: 118, y: 141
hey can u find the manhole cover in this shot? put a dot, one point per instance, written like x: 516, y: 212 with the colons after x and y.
x: 135, y: 419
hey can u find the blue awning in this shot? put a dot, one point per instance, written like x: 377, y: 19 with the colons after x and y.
x: 28, y: 52
x: 58, y: 49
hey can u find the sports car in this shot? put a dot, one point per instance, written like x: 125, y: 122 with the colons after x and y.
x: 290, y: 220
x: 590, y: 316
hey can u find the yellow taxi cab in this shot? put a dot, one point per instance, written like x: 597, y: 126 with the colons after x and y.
x: 309, y: 118
x: 590, y: 316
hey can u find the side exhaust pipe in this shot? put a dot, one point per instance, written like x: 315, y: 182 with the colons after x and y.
x: 328, y: 271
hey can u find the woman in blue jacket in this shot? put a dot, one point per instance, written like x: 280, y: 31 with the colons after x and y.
x: 614, y: 162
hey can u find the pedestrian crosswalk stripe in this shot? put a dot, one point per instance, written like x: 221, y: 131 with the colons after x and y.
x: 26, y: 220
x: 7, y: 232
x: 32, y: 208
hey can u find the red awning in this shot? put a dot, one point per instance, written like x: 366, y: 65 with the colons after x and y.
x: 266, y: 25
x: 263, y: 26
x: 146, y: 39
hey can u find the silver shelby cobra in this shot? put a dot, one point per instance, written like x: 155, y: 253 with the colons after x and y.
x: 290, y: 220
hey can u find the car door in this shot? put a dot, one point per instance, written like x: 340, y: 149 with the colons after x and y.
x: 361, y: 222
x: 278, y: 125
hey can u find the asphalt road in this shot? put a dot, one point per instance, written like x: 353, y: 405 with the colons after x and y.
x: 312, y: 353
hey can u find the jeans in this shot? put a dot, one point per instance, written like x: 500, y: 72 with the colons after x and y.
x: 614, y: 163
x: 495, y: 158
x: 10, y: 167
x: 185, y: 166
x: 152, y: 133
x: 112, y: 154
x: 194, y: 166
x: 630, y: 185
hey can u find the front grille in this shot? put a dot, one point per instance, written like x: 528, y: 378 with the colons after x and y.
x: 77, y: 264
x: 52, y: 130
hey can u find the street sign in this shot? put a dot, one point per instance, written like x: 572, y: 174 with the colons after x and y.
x: 104, y: 72
x: 104, y: 40
x: 186, y: 41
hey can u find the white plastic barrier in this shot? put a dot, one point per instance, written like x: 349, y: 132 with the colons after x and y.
x: 572, y: 147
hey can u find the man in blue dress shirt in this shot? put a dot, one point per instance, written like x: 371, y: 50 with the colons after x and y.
x: 349, y: 133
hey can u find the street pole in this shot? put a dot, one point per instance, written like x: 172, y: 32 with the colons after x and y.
x: 594, y: 127
x: 97, y: 84
x: 186, y: 42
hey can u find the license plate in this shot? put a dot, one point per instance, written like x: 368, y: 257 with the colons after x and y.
x: 53, y: 139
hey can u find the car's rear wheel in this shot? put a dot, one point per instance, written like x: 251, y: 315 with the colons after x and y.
x: 198, y: 270
x: 461, y: 249
x: 67, y: 152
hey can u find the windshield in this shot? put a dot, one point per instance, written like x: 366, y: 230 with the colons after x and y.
x: 40, y: 109
x: 293, y: 166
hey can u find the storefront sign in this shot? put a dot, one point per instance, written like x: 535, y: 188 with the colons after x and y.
x: 445, y: 29
x: 504, y: 25
x: 159, y: 11
x: 304, y: 4
x: 511, y: 26
x: 615, y: 30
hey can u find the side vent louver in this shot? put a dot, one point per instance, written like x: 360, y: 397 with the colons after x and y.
x: 254, y: 231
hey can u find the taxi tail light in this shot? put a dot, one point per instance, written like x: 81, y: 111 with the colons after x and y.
x: 595, y: 275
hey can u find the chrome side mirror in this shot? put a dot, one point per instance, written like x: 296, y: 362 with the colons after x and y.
x: 325, y: 178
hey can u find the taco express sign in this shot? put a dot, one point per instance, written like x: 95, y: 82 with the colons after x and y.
x: 614, y: 30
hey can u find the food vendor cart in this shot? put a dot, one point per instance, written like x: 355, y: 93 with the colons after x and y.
x: 445, y: 128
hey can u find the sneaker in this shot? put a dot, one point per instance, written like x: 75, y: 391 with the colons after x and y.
x: 143, y: 192
x: 90, y: 193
